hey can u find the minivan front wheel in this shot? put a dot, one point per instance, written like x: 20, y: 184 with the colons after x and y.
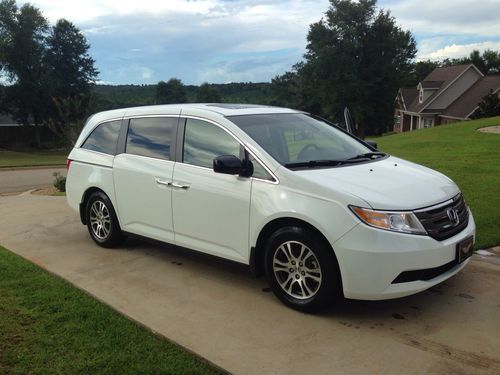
x: 302, y: 269
x: 102, y: 222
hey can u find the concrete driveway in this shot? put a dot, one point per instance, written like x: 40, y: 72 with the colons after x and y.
x: 220, y: 312
x: 22, y: 179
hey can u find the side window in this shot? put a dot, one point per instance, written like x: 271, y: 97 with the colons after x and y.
x: 150, y: 137
x: 259, y: 171
x: 204, y: 141
x: 104, y: 138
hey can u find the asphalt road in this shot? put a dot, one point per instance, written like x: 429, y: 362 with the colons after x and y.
x: 228, y: 317
x: 23, y: 179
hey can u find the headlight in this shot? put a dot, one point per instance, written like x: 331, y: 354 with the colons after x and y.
x: 405, y: 222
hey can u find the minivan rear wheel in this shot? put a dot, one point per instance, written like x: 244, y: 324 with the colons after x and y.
x: 301, y: 269
x: 102, y: 222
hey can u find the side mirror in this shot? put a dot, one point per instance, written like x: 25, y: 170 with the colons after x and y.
x: 372, y: 144
x: 228, y: 164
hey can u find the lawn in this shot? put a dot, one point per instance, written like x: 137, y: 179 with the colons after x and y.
x: 470, y: 158
x: 48, y: 326
x: 31, y: 159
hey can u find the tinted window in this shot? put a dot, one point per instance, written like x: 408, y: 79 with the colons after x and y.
x: 204, y: 141
x: 150, y: 137
x: 104, y: 138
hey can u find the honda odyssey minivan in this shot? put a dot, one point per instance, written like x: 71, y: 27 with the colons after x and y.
x: 321, y: 213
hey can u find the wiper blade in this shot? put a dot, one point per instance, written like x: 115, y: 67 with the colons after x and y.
x: 318, y: 163
x: 369, y: 156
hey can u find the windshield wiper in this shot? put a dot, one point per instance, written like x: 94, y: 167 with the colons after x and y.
x: 318, y: 163
x: 369, y: 156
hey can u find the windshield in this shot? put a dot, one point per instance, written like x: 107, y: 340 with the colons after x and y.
x: 297, y: 139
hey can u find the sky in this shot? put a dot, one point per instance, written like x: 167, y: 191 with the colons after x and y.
x: 221, y: 41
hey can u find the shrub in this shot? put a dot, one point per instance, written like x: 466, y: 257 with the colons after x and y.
x: 59, y: 182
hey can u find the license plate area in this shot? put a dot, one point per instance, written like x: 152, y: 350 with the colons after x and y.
x: 465, y: 249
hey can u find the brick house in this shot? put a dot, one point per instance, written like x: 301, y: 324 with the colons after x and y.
x: 447, y: 94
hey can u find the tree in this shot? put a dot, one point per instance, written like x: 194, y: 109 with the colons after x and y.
x: 170, y: 92
x: 489, y: 106
x: 421, y: 69
x: 488, y: 63
x: 70, y: 68
x: 22, y: 45
x: 356, y: 57
x: 207, y: 94
x: 70, y: 75
x: 47, y: 68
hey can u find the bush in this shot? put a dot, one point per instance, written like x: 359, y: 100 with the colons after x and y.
x: 59, y: 182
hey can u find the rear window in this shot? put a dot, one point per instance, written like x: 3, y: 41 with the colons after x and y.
x: 104, y: 138
x: 151, y: 137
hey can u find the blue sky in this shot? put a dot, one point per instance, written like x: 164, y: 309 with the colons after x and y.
x: 219, y: 41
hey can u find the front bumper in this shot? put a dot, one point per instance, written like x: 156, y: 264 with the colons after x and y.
x: 370, y: 259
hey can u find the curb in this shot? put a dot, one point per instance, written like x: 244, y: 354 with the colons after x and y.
x: 50, y: 166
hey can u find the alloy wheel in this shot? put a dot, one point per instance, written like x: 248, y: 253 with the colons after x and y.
x: 100, y: 220
x: 297, y: 270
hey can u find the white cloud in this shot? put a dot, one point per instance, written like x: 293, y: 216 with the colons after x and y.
x: 448, y: 16
x: 248, y: 40
x: 459, y: 50
x: 86, y: 10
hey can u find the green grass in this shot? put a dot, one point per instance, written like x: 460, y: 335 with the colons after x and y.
x: 48, y: 326
x: 470, y: 158
x: 32, y: 159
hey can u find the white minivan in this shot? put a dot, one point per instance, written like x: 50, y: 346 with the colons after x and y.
x: 321, y: 213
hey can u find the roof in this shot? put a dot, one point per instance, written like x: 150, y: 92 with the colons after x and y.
x: 468, y: 102
x: 408, y: 94
x: 223, y: 109
x: 431, y: 84
x: 446, y: 75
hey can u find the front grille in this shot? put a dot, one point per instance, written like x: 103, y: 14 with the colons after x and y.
x: 437, y: 222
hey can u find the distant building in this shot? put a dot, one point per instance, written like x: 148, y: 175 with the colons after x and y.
x: 446, y: 95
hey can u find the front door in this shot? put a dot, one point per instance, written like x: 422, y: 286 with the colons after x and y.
x: 210, y: 210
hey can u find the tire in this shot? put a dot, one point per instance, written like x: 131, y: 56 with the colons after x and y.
x: 102, y: 222
x: 302, y: 269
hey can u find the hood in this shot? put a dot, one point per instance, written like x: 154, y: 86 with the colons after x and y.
x: 388, y: 184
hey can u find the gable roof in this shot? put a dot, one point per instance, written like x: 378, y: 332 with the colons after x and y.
x: 467, y: 103
x: 431, y: 84
x: 447, y: 75
x: 407, y: 94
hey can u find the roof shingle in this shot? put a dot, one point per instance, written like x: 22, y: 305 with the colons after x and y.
x: 468, y: 102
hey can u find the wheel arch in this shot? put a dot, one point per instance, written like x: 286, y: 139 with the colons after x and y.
x: 257, y: 254
x: 83, y: 204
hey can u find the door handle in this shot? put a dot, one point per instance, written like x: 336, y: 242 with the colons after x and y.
x: 179, y: 186
x: 159, y: 181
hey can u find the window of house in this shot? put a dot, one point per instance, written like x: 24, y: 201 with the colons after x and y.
x: 428, y: 122
x: 104, y: 138
x: 421, y: 96
x: 150, y: 137
x: 204, y: 141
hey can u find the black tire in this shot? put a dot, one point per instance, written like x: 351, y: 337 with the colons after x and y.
x: 109, y: 233
x: 315, y: 282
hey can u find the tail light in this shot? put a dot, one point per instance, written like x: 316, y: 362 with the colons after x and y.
x: 68, y: 163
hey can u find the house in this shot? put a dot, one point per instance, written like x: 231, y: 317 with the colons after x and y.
x: 447, y: 94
